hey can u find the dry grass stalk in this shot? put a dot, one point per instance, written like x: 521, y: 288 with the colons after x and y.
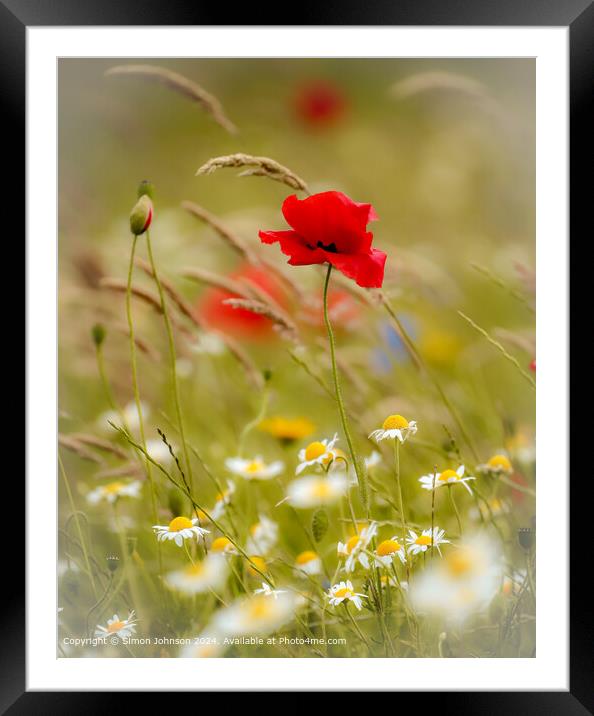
x: 116, y: 284
x: 130, y: 469
x: 217, y: 281
x: 257, y: 166
x: 261, y: 295
x: 285, y: 326
x: 78, y: 448
x: 209, y: 103
x: 180, y: 302
x: 235, y: 242
x: 100, y: 444
x: 240, y: 247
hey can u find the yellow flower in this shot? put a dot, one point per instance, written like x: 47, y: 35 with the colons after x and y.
x: 287, y: 430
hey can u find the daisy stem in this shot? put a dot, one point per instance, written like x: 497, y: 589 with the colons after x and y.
x: 433, y: 509
x: 172, y: 358
x: 135, y: 387
x: 78, y: 527
x: 337, y: 389
x: 357, y: 629
x: 455, y: 506
x: 399, y: 485
x: 188, y: 553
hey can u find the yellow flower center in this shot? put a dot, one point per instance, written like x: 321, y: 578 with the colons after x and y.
x: 314, y: 450
x: 178, y: 524
x: 423, y: 540
x: 387, y: 547
x: 500, y: 462
x: 287, y: 428
x: 395, y: 422
x: 194, y: 570
x: 352, y: 543
x: 321, y: 489
x: 448, y: 475
x: 344, y: 592
x: 113, y: 488
x: 254, y: 528
x: 305, y: 557
x: 254, y: 466
x: 260, y: 607
x: 220, y: 544
x: 256, y: 562
x: 459, y: 562
x: 115, y: 626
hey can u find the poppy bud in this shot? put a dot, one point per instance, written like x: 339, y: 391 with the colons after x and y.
x: 526, y: 538
x: 98, y: 334
x: 113, y: 562
x: 141, y: 216
x: 146, y: 188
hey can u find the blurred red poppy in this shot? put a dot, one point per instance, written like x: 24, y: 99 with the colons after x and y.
x: 331, y: 228
x: 532, y: 365
x: 237, y: 321
x: 319, y: 104
x: 343, y: 309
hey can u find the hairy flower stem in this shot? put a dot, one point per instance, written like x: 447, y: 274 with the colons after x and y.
x: 135, y: 387
x: 337, y: 390
x: 172, y: 359
x: 78, y: 527
x: 400, y: 500
x: 455, y: 506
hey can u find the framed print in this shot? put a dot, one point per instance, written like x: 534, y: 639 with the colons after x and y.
x: 285, y: 288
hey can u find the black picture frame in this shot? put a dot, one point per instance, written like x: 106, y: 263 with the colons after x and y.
x: 578, y: 15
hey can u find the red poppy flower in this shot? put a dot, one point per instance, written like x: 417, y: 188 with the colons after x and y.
x: 319, y: 104
x: 239, y: 322
x: 532, y: 365
x: 331, y: 228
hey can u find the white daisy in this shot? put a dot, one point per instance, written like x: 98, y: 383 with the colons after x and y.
x: 447, y: 477
x: 342, y: 591
x: 208, y: 344
x: 316, y: 490
x: 209, y: 574
x: 255, y: 615
x: 421, y: 543
x: 308, y: 562
x: 159, y: 451
x: 268, y: 591
x: 354, y: 550
x: 221, y: 501
x: 387, y: 550
x: 497, y: 465
x: 263, y: 536
x: 395, y: 427
x: 254, y: 469
x: 114, y: 490
x: 207, y: 645
x: 461, y: 584
x: 320, y: 453
x: 122, y: 628
x: 373, y: 460
x: 129, y: 414
x: 179, y: 529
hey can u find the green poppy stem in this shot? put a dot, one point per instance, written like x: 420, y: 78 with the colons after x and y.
x: 337, y: 389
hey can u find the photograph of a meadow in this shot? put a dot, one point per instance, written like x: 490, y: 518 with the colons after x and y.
x: 296, y: 358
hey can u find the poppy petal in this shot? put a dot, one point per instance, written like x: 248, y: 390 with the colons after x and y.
x: 366, y: 269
